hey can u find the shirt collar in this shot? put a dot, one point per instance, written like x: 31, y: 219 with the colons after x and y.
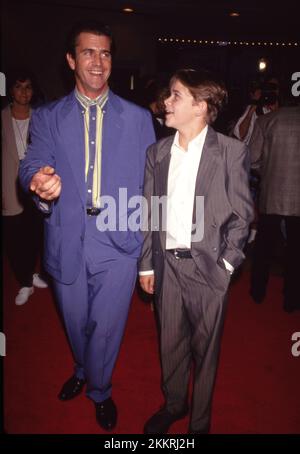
x: 86, y: 102
x: 196, y: 141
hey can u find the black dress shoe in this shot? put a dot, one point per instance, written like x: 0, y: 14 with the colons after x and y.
x: 106, y: 414
x: 71, y: 388
x: 161, y: 421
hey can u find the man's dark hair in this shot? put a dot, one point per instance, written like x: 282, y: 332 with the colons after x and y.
x: 203, y: 86
x: 94, y: 27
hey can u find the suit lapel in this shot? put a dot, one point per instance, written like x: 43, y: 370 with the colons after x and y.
x: 207, y: 167
x: 112, y: 124
x: 72, y: 130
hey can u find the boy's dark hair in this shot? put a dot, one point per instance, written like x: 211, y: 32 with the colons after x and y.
x: 94, y: 27
x: 203, y: 86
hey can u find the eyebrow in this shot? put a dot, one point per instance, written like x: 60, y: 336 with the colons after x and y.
x: 24, y: 84
x: 95, y: 50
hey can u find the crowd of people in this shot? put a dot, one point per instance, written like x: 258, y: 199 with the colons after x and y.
x: 83, y: 148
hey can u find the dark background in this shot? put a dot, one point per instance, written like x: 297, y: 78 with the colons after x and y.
x: 33, y: 35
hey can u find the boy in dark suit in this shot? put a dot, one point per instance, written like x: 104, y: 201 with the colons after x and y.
x: 193, y: 242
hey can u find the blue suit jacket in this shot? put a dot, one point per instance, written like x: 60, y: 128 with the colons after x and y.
x: 57, y: 140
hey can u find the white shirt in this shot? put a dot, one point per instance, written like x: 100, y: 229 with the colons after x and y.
x: 182, y: 176
x: 236, y: 130
x: 20, y: 130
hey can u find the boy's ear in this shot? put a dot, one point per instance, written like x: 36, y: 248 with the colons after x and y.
x: 201, y: 108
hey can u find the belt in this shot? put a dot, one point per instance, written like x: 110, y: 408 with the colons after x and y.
x: 181, y: 253
x: 93, y: 211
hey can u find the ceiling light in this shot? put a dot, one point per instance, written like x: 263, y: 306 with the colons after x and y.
x: 234, y: 14
x: 127, y: 10
x: 262, y: 65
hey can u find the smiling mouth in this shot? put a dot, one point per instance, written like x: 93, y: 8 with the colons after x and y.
x: 96, y: 73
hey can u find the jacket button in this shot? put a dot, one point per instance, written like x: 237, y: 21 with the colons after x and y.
x: 214, y: 249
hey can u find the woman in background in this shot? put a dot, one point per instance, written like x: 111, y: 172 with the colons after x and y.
x: 22, y: 225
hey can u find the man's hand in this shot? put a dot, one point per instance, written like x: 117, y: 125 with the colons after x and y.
x: 46, y: 183
x: 147, y: 283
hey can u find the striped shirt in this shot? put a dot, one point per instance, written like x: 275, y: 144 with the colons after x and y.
x: 93, y: 111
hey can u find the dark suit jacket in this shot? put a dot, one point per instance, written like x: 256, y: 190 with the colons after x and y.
x: 223, y: 180
x: 57, y: 140
x: 275, y: 154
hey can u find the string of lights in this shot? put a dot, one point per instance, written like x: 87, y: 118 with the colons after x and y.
x: 227, y: 43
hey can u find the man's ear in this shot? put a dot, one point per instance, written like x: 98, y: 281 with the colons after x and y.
x: 71, y: 61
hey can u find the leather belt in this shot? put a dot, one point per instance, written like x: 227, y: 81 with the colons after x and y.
x: 181, y: 253
x: 93, y: 211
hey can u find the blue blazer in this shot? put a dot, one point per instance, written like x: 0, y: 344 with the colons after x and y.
x: 57, y: 140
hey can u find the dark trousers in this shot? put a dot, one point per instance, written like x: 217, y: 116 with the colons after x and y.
x: 191, y: 316
x: 268, y: 234
x: 22, y: 238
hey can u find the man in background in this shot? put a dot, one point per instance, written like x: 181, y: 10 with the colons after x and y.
x: 275, y: 155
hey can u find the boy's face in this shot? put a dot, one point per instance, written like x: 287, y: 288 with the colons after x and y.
x: 181, y: 108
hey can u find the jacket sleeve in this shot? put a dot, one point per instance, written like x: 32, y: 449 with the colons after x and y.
x: 145, y: 261
x: 242, y: 206
x: 40, y: 153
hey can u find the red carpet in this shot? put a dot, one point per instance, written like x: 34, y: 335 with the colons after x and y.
x: 257, y: 388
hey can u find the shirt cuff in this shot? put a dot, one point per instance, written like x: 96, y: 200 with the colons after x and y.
x: 146, y: 273
x: 228, y: 266
x: 44, y: 206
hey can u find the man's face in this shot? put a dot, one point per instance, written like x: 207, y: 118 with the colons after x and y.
x: 92, y: 64
x: 181, y: 108
x: 22, y: 92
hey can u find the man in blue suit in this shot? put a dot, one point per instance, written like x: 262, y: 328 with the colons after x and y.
x: 87, y: 148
